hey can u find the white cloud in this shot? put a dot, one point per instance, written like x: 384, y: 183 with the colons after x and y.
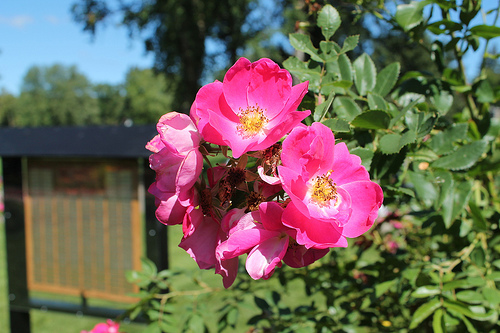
x: 18, y: 21
x: 52, y: 19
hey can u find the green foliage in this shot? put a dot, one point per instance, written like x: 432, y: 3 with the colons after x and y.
x: 55, y: 95
x: 146, y: 100
x: 61, y: 96
x: 432, y: 260
x: 176, y: 32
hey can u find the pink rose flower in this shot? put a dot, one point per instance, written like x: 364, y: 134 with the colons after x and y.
x: 255, y: 106
x: 267, y: 241
x: 260, y: 234
x: 178, y: 164
x: 332, y: 196
x: 108, y: 327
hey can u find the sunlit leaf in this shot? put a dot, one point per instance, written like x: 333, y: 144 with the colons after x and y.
x: 302, y: 42
x: 386, y: 79
x: 337, y: 125
x: 463, y: 158
x: 364, y: 74
x: 485, y: 31
x: 346, y: 108
x: 373, y: 119
x: 424, y: 311
x: 410, y: 15
x: 328, y: 20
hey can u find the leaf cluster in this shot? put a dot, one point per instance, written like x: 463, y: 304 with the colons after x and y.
x: 432, y: 260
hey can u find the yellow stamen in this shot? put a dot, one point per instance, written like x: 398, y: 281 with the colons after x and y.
x: 252, y: 120
x: 324, y: 190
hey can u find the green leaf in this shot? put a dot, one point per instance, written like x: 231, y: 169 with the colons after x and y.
x: 426, y: 291
x: 454, y: 203
x: 329, y: 21
x: 478, y: 218
x: 442, y: 99
x: 196, y: 323
x: 376, y: 101
x: 449, y: 26
x: 469, y: 325
x: 424, y: 311
x: 484, y: 92
x: 303, y: 72
x: 463, y: 158
x: 303, y: 43
x: 337, y: 125
x: 491, y: 295
x: 442, y: 143
x: 386, y: 79
x: 470, y: 296
x: 365, y: 154
x: 148, y: 267
x: 323, y: 108
x: 373, y: 119
x: 261, y: 303
x: 403, y: 190
x: 392, y: 143
x: 408, y: 16
x: 345, y: 108
x: 345, y: 68
x: 328, y: 51
x: 424, y: 186
x: 424, y: 155
x: 364, y: 74
x: 350, y: 43
x: 383, y: 287
x: 438, y: 322
x: 444, y: 180
x: 485, y: 31
x: 466, y: 311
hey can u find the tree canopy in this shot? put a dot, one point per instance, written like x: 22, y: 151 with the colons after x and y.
x: 184, y: 35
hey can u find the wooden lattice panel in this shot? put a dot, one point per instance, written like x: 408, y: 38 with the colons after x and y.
x: 82, y: 227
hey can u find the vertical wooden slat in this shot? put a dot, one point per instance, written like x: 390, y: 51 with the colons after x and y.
x: 93, y: 248
x: 136, y: 236
x: 119, y: 241
x: 81, y: 246
x: 106, y: 238
x: 55, y: 240
x: 29, y: 238
x: 68, y: 243
x: 41, y: 238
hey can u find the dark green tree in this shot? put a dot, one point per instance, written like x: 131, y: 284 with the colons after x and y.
x: 146, y: 96
x: 178, y: 32
x: 56, y: 95
x: 111, y: 100
x: 8, y: 107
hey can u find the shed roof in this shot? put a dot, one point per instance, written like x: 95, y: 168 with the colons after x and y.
x: 77, y: 141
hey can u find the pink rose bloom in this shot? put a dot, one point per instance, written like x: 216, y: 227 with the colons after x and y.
x: 267, y: 241
x: 332, y: 196
x: 201, y: 241
x: 255, y: 106
x: 108, y: 327
x: 178, y: 164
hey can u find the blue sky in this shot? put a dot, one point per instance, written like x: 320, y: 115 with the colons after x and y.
x: 42, y: 32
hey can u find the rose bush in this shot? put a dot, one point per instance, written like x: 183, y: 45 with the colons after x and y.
x: 299, y: 205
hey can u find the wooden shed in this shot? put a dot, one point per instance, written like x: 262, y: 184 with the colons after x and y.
x: 78, y: 215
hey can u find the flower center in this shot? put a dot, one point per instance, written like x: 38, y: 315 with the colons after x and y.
x: 324, y: 190
x: 252, y: 120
